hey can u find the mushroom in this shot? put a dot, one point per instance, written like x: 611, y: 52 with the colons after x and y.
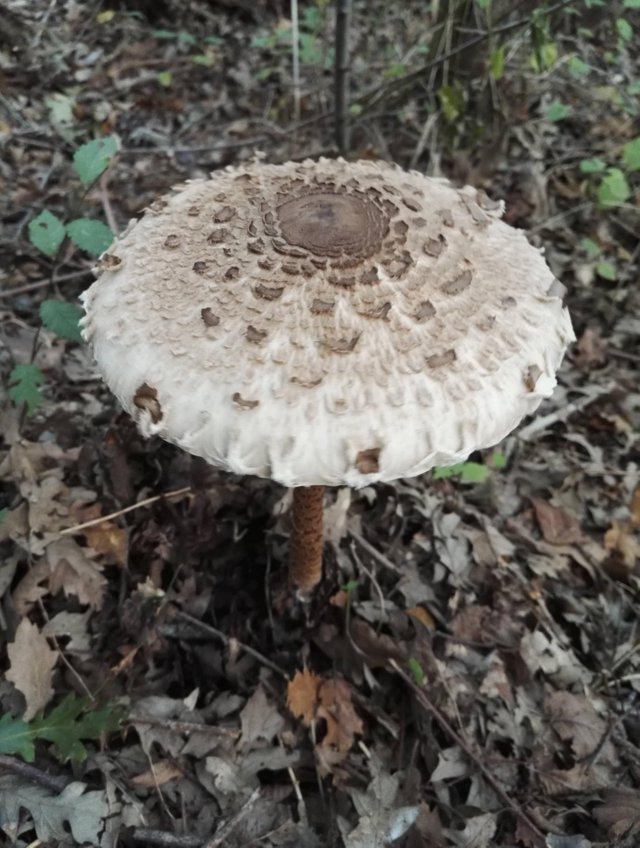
x: 326, y: 323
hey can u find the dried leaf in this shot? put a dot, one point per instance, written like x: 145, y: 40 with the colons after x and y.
x: 31, y: 671
x: 73, y: 625
x: 478, y: 832
x: 336, y: 708
x: 82, y: 813
x: 302, y: 696
x: 260, y: 720
x: 620, y: 538
x: 109, y: 540
x: 574, y: 719
x: 619, y: 812
x: 557, y: 525
x: 380, y: 821
x: 73, y: 571
x: 543, y: 653
x: 160, y: 773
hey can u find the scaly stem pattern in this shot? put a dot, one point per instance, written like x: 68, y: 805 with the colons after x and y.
x: 305, y: 554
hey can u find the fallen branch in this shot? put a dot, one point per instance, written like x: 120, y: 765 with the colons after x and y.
x: 56, y: 783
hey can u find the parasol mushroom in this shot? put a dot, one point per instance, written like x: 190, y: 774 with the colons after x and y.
x: 326, y: 323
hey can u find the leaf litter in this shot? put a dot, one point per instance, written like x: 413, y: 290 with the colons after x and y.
x: 510, y: 601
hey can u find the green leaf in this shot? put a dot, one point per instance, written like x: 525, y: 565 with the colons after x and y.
x: 613, y: 188
x: 90, y: 235
x: 631, y: 154
x: 46, y: 232
x: 577, y: 68
x: 606, y: 270
x: 3, y: 513
x: 474, y: 472
x: 633, y: 88
x: 16, y: 738
x: 163, y: 34
x: 24, y: 380
x: 590, y: 247
x: 204, y: 59
x: 593, y: 166
x: 395, y: 70
x: 631, y: 4
x: 415, y: 670
x: 451, y: 101
x: 92, y: 158
x: 496, y: 62
x: 498, y: 460
x: 556, y: 111
x: 164, y: 78
x: 445, y: 471
x: 186, y: 38
x: 624, y: 29
x: 73, y: 720
x: 62, y: 318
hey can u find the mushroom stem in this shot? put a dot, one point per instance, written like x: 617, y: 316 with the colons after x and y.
x: 305, y: 553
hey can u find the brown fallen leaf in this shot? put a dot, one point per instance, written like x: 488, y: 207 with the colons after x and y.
x: 31, y: 670
x: 336, y: 708
x: 309, y: 698
x: 30, y: 589
x: 109, y: 540
x: 619, y: 812
x: 574, y: 720
x: 557, y: 526
x: 160, y: 773
x: 73, y: 571
x: 589, y: 350
x: 621, y: 540
x: 302, y: 695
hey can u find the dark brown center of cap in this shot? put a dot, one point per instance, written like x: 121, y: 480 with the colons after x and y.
x: 330, y: 224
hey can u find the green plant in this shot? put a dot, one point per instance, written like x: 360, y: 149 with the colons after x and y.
x: 47, y: 233
x: 471, y: 472
x: 66, y: 726
x: 608, y: 179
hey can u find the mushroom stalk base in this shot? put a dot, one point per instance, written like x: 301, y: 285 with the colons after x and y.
x: 305, y: 555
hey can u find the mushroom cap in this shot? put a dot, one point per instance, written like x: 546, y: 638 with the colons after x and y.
x: 326, y: 322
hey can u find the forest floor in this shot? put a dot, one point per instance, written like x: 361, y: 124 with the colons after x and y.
x: 468, y: 673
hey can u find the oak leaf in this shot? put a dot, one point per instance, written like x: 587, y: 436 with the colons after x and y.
x: 31, y: 671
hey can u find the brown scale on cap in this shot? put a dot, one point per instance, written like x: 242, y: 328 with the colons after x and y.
x: 146, y: 399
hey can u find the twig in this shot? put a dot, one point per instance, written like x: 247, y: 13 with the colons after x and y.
x: 295, y: 58
x: 431, y: 708
x: 77, y: 528
x: 185, y: 726
x: 207, y: 148
x: 166, y: 838
x: 56, y: 783
x: 40, y: 284
x: 341, y: 76
x: 213, y: 631
x: 219, y: 839
x: 368, y: 547
x: 106, y: 205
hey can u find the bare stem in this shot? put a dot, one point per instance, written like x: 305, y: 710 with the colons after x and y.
x: 305, y: 555
x: 341, y: 76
